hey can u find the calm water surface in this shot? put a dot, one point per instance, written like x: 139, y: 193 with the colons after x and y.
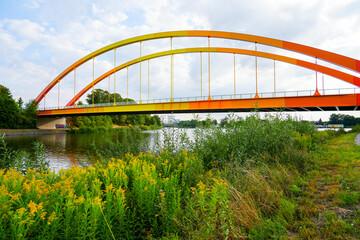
x: 63, y: 150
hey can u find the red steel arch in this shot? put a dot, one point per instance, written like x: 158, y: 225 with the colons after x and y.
x: 322, y: 69
x: 334, y: 58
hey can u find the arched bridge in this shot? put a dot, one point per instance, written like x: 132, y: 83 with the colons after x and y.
x: 312, y: 100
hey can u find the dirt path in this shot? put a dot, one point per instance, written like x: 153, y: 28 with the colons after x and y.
x: 330, y: 207
x: 357, y: 139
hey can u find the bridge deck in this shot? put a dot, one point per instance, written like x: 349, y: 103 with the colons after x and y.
x: 346, y: 102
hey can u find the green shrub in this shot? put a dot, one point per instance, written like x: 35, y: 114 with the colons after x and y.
x: 356, y: 128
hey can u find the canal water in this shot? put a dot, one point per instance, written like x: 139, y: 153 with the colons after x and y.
x: 64, y: 150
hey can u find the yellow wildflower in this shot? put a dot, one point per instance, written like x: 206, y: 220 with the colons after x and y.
x: 15, y: 196
x: 79, y: 200
x: 42, y: 215
x: 32, y: 207
x: 109, y: 188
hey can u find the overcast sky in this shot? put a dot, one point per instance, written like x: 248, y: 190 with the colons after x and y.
x: 40, y: 38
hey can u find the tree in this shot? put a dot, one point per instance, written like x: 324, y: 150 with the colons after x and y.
x: 347, y: 120
x: 148, y: 120
x: 9, y: 110
x: 118, y: 98
x: 28, y: 117
x: 100, y: 96
x: 334, y: 118
x: 5, y: 92
x: 20, y: 103
x: 157, y: 120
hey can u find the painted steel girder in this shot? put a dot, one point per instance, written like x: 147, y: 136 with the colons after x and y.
x: 228, y: 105
x: 334, y: 58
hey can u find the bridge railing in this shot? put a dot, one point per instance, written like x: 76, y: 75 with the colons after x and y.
x: 300, y: 93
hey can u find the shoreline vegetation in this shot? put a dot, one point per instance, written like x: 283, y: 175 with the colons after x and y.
x: 272, y: 178
x: 16, y: 132
x: 84, y: 129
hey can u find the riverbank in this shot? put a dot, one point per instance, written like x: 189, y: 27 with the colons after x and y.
x: 254, y: 179
x: 18, y: 132
x: 329, y: 206
x: 117, y: 128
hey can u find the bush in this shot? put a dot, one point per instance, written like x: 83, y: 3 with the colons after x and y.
x: 356, y: 128
x: 250, y: 138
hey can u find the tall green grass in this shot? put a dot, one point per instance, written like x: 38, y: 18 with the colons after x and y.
x: 239, y: 181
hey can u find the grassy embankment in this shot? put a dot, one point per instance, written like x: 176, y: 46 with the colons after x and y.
x: 329, y: 206
x: 272, y: 179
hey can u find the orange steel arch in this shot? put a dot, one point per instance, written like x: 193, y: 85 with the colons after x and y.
x: 334, y: 58
x: 329, y: 71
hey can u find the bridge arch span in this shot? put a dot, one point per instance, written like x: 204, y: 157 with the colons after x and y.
x: 322, y: 69
x: 340, y: 60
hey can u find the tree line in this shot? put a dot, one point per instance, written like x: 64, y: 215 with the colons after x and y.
x: 16, y: 114
x: 103, y: 96
x: 346, y: 120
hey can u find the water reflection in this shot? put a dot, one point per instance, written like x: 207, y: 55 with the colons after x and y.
x: 64, y: 150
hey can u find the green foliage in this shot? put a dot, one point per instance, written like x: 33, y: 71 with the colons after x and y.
x: 28, y: 116
x: 21, y: 160
x: 9, y: 111
x: 197, y: 123
x: 243, y: 139
x: 14, y: 114
x: 345, y: 119
x: 349, y: 198
x: 101, y: 96
x: 5, y: 92
x: 93, y: 121
x: 356, y: 128
x: 268, y: 229
x: 294, y: 188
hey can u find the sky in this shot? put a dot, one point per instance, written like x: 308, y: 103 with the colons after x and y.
x: 41, y: 38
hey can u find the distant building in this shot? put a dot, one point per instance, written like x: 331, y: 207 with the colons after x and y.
x: 172, y: 120
x: 335, y: 125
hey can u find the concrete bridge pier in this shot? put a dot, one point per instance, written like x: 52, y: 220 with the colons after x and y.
x: 51, y: 123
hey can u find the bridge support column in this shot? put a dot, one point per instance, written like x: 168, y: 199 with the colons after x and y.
x: 51, y: 123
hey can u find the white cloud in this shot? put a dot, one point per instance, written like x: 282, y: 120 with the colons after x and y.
x: 25, y: 29
x: 38, y: 49
x: 32, y: 4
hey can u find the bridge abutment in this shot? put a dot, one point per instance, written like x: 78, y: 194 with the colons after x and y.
x: 51, y: 123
